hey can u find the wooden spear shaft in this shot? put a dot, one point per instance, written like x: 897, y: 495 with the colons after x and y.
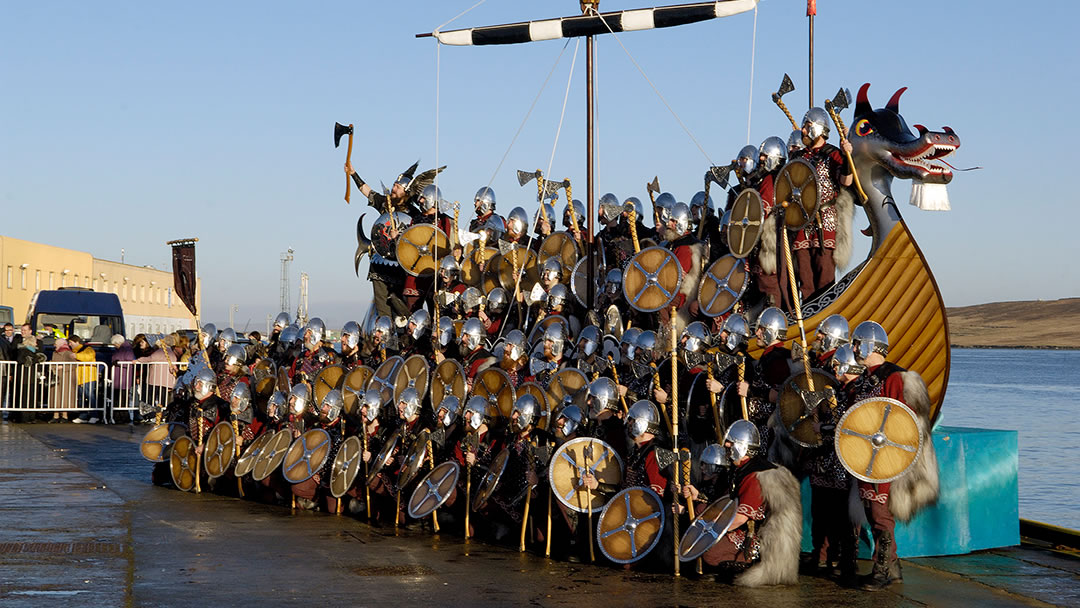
x: 796, y: 298
x: 675, y: 429
x: 525, y: 515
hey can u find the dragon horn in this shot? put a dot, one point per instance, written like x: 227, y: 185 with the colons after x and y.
x: 862, y: 103
x: 894, y: 101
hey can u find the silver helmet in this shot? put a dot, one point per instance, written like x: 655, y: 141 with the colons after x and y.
x: 775, y: 152
x: 446, y: 330
x: 226, y: 338
x: 448, y: 411
x: 744, y: 438
x: 430, y: 197
x: 551, y: 270
x: 317, y: 329
x: 476, y: 412
x: 579, y: 212
x: 645, y: 347
x: 408, y: 403
x: 642, y: 417
x: 281, y: 321
x: 208, y: 335
x: 700, y: 205
x: 289, y: 335
x: 204, y: 384
x: 383, y: 327
x: 794, y: 142
x: 832, y: 332
x: 549, y: 213
x: 680, y: 214
x: 517, y: 222
x: 527, y: 409
x: 494, y: 228
x: 277, y: 406
x: 557, y: 296
x: 419, y: 322
x: 633, y: 204
x: 497, y: 300
x: 449, y: 270
x: 613, y: 282
x: 568, y: 421
x: 555, y: 335
x: 713, y: 458
x: 372, y: 404
x: 484, y: 201
x: 869, y: 337
x: 235, y: 355
x: 696, y: 338
x: 331, y: 405
x: 747, y: 160
x: 771, y: 325
x: 610, y: 209
x: 628, y: 343
x: 664, y: 204
x: 602, y: 395
x: 588, y: 341
x: 514, y: 345
x: 843, y: 362
x: 472, y: 334
x: 738, y: 332
x: 815, y: 123
x: 299, y: 398
x: 471, y: 298
x: 350, y: 334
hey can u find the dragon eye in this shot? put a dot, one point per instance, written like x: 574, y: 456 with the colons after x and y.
x: 863, y: 128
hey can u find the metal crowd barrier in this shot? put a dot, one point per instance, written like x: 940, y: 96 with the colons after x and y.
x: 142, y: 386
x: 55, y: 387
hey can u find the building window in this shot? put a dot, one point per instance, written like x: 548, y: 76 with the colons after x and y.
x: 168, y: 297
x: 95, y: 284
x: 125, y: 292
x: 10, y: 276
x: 23, y: 278
x: 86, y: 282
x: 37, y: 280
x: 76, y: 282
x: 51, y: 275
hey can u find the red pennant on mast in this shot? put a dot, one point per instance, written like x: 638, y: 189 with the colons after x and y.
x: 184, y: 272
x: 811, y: 8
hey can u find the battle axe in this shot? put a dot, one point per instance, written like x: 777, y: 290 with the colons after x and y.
x: 653, y: 188
x: 786, y: 87
x: 834, y: 106
x: 525, y: 177
x: 339, y: 130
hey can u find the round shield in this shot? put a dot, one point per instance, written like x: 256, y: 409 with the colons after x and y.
x: 630, y: 525
x: 491, y: 479
x: 563, y: 247
x: 434, y: 489
x: 346, y: 466
x: 414, y: 458
x: 878, y: 439
x: 799, y: 408
x: 651, y: 279
x: 565, y: 385
x: 158, y: 441
x: 385, y: 453
x: 537, y: 391
x: 353, y: 387
x: 722, y: 286
x: 507, y: 271
x: 707, y: 529
x: 417, y: 246
x: 744, y: 227
x: 247, y: 460
x: 796, y: 185
x: 448, y: 379
x: 383, y: 380
x: 579, y: 280
x: 182, y: 463
x: 413, y: 373
x: 474, y: 263
x: 271, y: 454
x: 385, y: 246
x: 494, y: 385
x: 265, y: 379
x: 219, y: 449
x: 306, y: 456
x: 328, y: 379
x: 572, y: 461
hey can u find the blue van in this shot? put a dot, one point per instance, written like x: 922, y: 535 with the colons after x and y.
x: 92, y: 315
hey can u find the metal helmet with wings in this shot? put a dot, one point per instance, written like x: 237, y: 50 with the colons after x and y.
x: 414, y: 186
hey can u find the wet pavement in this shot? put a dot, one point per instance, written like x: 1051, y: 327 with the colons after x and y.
x: 83, y: 526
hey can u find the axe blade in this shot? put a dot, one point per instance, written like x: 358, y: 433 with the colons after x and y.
x: 525, y: 177
x: 842, y: 99
x: 786, y: 86
x: 720, y: 175
x: 339, y: 130
x: 654, y: 185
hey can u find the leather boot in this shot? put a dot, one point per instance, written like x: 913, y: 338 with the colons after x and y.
x: 886, y: 571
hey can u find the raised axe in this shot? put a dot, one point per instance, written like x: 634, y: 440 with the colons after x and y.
x: 543, y: 188
x: 339, y: 130
x: 834, y: 106
x: 786, y: 86
x: 653, y: 188
x: 719, y: 175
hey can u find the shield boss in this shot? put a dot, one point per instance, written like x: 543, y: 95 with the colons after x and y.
x: 722, y: 286
x: 413, y: 373
x: 306, y: 456
x: 744, y: 227
x: 572, y: 461
x: 434, y: 489
x: 345, y: 467
x: 566, y: 384
x: 493, y: 384
x: 796, y: 185
x: 878, y: 439
x: 416, y: 248
x: 630, y: 525
x: 651, y: 279
x: 448, y: 379
x: 383, y: 380
x: 182, y: 463
x: 219, y: 450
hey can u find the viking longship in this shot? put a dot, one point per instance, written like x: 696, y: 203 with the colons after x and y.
x: 893, y: 285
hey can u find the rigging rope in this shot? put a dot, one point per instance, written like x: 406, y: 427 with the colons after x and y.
x: 593, y: 11
x: 753, y: 51
x: 459, y: 15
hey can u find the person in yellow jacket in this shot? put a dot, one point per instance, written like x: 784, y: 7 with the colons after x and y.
x: 86, y: 376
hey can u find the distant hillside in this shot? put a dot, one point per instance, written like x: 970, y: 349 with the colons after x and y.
x: 1038, y: 324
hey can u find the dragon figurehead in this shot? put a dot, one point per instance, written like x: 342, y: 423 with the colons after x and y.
x: 884, y: 147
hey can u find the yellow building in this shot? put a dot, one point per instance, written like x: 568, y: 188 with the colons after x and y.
x: 146, y: 294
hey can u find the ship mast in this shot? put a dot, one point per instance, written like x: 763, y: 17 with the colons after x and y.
x: 590, y: 174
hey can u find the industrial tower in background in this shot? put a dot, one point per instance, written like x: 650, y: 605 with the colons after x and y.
x: 285, y: 259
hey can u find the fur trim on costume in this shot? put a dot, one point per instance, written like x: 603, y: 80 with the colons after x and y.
x: 781, y: 534
x: 782, y: 450
x: 918, y: 488
x: 767, y: 245
x: 845, y: 212
x: 689, y: 286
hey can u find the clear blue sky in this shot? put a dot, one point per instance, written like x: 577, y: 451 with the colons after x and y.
x: 126, y: 124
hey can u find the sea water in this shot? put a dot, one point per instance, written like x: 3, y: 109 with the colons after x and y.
x: 1034, y: 392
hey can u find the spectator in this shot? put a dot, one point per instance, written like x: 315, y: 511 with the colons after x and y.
x: 7, y: 343
x: 87, y: 378
x: 8, y: 349
x: 141, y: 346
x: 61, y: 380
x: 28, y: 358
x: 161, y: 377
x: 122, y: 374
